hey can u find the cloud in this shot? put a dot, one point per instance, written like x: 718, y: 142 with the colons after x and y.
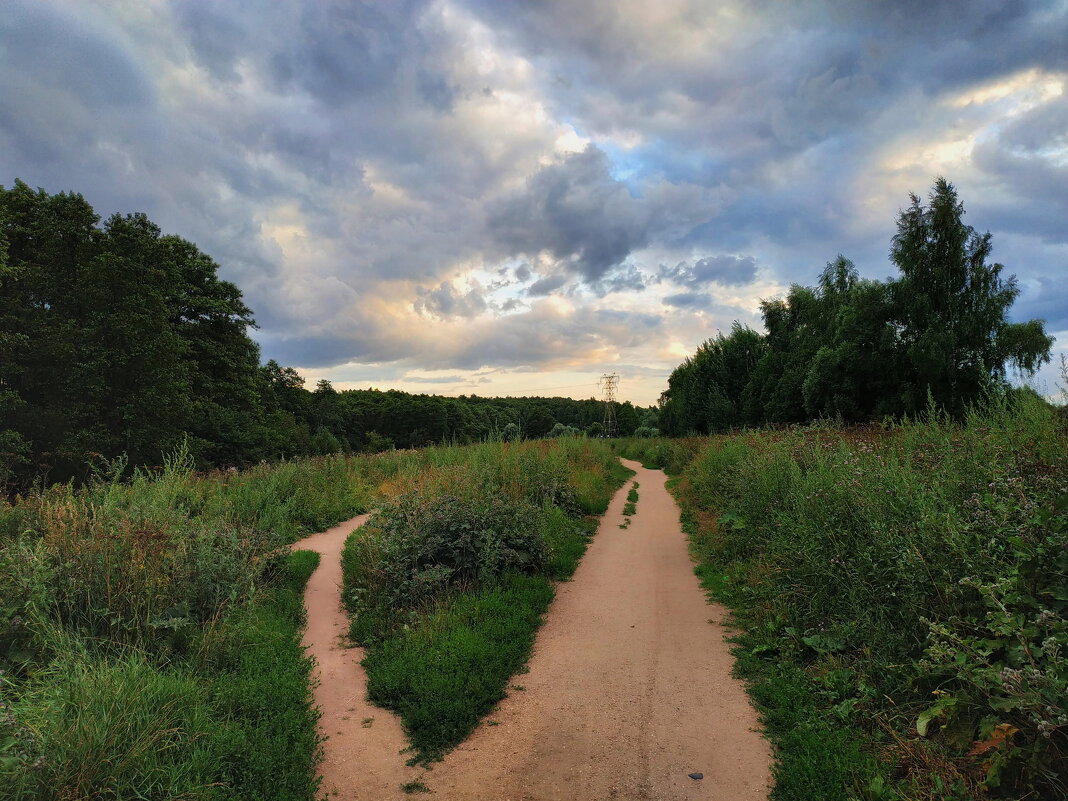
x: 726, y: 270
x: 445, y: 301
x: 575, y: 210
x: 628, y: 279
x: 689, y: 300
x: 547, y: 285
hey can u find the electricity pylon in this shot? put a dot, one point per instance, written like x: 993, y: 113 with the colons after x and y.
x: 608, y: 384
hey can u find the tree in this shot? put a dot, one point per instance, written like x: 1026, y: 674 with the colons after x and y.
x: 951, y: 307
x: 14, y: 450
x: 560, y: 430
x: 854, y: 373
x: 538, y: 422
x: 135, y: 341
x: 705, y: 392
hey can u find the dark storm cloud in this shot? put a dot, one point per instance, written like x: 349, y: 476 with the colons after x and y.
x: 726, y: 270
x: 1028, y: 159
x: 689, y: 300
x: 576, y: 211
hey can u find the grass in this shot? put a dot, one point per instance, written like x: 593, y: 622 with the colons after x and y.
x: 149, y: 631
x: 450, y: 668
x: 149, y: 628
x: 448, y: 583
x: 230, y: 720
x: 901, y: 598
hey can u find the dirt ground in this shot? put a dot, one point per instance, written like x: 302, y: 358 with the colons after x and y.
x: 362, y: 759
x: 628, y: 691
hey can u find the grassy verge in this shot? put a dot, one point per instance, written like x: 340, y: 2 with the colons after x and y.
x: 901, y: 597
x: 230, y: 719
x: 448, y: 583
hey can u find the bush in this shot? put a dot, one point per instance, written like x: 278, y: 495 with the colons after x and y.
x: 453, y: 533
x: 906, y: 584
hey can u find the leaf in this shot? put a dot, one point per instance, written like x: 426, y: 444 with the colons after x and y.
x: 1001, y: 733
x: 936, y: 710
x: 823, y: 644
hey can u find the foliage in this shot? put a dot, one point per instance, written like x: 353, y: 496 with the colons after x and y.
x: 858, y: 350
x: 902, y: 597
x: 952, y: 307
x: 444, y: 534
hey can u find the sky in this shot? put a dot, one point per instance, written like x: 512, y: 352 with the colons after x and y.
x: 509, y: 197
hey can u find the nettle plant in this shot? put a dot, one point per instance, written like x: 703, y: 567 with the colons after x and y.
x: 1004, y: 670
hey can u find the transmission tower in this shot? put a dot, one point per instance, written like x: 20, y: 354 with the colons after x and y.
x: 609, y: 384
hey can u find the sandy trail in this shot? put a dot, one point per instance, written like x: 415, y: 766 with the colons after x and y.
x: 629, y: 688
x: 361, y: 758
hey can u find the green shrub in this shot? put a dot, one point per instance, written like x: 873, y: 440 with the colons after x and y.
x: 451, y: 534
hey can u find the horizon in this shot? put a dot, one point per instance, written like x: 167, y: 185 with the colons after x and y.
x: 506, y: 200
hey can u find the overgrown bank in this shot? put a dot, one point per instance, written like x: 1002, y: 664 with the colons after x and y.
x: 449, y: 580
x: 902, y: 596
x: 149, y: 633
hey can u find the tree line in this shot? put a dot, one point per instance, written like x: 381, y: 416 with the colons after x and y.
x: 856, y: 349
x: 120, y: 342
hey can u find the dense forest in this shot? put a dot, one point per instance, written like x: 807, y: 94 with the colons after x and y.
x: 120, y: 342
x: 857, y: 349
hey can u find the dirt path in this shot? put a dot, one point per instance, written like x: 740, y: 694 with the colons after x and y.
x: 629, y: 687
x: 362, y: 760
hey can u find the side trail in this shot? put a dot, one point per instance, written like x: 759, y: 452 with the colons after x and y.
x: 362, y: 758
x: 629, y: 688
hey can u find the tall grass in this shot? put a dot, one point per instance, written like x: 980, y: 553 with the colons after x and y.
x: 149, y: 631
x: 903, y: 595
x: 232, y: 720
